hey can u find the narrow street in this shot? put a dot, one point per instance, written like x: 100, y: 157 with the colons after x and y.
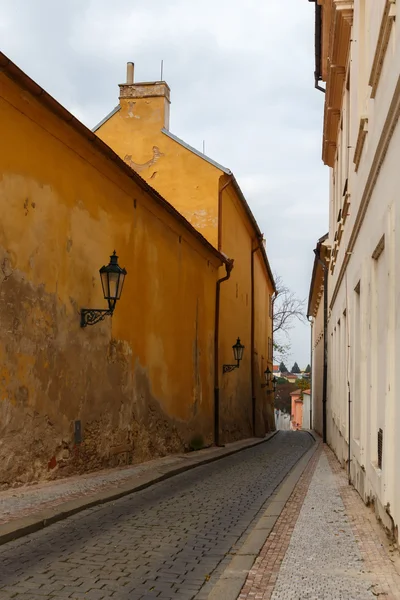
x: 164, y: 542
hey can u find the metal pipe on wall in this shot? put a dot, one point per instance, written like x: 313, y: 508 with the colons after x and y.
x: 228, y: 267
x: 325, y: 371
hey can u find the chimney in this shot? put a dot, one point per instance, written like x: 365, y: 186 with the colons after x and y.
x: 130, y: 69
x: 151, y: 99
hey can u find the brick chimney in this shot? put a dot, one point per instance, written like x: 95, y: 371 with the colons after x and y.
x: 148, y: 100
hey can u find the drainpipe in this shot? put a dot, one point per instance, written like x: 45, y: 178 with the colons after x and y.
x: 274, y: 297
x: 228, y: 267
x: 220, y: 213
x: 318, y: 46
x: 311, y: 321
x: 253, y: 383
x: 325, y: 376
x: 349, y: 454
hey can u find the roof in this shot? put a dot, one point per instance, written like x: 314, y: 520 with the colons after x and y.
x: 197, y: 152
x: 110, y: 114
x: 296, y: 393
x: 308, y: 392
x: 225, y: 170
x: 239, y: 192
x: 276, y: 368
x: 16, y: 74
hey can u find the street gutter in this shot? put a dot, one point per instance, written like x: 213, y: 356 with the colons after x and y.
x: 17, y: 528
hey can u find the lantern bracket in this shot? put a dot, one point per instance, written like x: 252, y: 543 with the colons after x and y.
x: 229, y: 368
x: 91, y: 316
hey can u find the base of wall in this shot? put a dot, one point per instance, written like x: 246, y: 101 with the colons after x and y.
x: 359, y: 480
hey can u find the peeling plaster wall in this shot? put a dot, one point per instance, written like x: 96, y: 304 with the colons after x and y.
x: 141, y: 383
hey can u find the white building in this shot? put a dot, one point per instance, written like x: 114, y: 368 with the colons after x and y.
x: 282, y: 420
x: 358, y: 56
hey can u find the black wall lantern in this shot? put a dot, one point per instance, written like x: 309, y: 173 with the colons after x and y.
x: 238, y: 355
x: 267, y: 375
x: 112, y: 279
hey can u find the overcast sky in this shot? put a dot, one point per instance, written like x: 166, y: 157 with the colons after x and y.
x: 241, y: 78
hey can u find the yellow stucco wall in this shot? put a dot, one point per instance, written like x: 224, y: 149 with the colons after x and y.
x: 188, y: 182
x: 263, y: 291
x: 236, y: 388
x: 141, y: 382
x: 192, y: 185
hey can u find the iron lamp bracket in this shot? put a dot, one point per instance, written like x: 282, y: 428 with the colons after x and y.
x: 229, y: 368
x: 91, y: 316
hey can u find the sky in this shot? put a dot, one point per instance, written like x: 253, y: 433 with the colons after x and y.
x: 241, y: 79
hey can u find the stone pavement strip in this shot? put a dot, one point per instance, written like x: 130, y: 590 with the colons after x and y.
x: 326, y: 544
x: 30, y: 507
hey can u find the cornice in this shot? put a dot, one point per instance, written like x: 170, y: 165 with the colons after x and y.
x: 339, y: 46
x: 342, y: 20
x: 362, y: 134
x: 388, y: 18
x: 380, y: 154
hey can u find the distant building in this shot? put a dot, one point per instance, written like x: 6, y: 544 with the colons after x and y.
x: 297, y: 410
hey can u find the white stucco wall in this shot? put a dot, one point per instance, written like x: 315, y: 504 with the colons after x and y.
x: 317, y: 343
x: 282, y: 420
x: 364, y: 325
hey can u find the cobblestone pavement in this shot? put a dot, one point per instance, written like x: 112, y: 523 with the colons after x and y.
x: 326, y: 545
x: 22, y: 501
x: 163, y: 542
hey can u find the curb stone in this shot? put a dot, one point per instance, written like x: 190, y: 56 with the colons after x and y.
x: 24, y: 526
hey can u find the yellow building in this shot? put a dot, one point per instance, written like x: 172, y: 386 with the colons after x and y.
x: 208, y: 195
x: 139, y: 384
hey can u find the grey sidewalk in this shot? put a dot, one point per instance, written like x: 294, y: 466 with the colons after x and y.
x: 29, y: 508
x: 326, y: 545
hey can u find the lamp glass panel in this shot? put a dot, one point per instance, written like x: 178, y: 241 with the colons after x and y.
x: 120, y: 285
x: 113, y: 280
x: 104, y: 284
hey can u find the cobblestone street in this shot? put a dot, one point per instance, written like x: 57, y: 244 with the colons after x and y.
x: 163, y: 542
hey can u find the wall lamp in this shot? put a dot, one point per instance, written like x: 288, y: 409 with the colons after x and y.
x: 267, y: 375
x: 237, y: 354
x: 268, y: 380
x: 112, y: 280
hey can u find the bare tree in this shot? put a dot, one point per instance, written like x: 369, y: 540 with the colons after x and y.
x: 287, y: 309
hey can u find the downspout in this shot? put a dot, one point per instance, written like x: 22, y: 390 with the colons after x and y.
x: 318, y: 45
x: 311, y: 321
x: 274, y: 297
x: 349, y: 453
x: 220, y: 213
x: 325, y: 374
x: 253, y: 384
x: 325, y: 380
x: 228, y: 267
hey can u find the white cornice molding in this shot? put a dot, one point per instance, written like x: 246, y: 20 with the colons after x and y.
x: 388, y: 18
x: 380, y: 154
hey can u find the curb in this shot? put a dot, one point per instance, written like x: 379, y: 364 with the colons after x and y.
x: 232, y: 579
x: 20, y: 527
